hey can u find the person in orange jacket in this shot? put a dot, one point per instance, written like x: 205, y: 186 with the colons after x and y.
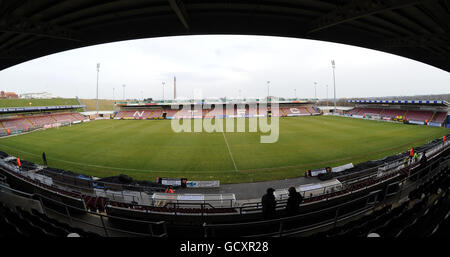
x: 19, y: 164
x: 169, y: 190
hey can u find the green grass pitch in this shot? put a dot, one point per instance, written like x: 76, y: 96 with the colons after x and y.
x: 145, y: 149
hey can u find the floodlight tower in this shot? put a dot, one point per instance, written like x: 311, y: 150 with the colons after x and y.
x: 163, y: 83
x: 315, y: 89
x: 333, y: 64
x: 98, y: 71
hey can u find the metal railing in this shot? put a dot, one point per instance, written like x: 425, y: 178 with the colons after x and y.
x: 404, y: 186
x: 423, y: 174
x: 256, y: 207
x: 69, y: 210
x: 335, y: 212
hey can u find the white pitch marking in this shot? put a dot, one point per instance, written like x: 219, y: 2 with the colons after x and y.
x: 229, y: 151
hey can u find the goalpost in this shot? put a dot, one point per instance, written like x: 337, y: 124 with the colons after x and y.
x: 62, y: 123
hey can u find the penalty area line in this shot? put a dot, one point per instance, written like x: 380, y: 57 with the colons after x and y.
x: 229, y: 151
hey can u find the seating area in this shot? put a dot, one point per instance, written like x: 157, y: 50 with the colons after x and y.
x: 16, y: 124
x: 291, y: 111
x: 21, y: 223
x: 77, y: 116
x: 172, y: 209
x: 187, y: 113
x: 94, y: 204
x: 171, y: 112
x: 311, y: 110
x: 38, y: 121
x: 425, y: 213
x: 121, y: 114
x: 156, y: 114
x: 65, y: 117
x: 366, y: 111
x: 210, y: 113
x: 412, y: 115
x: 419, y: 115
x: 391, y: 113
x: 439, y: 117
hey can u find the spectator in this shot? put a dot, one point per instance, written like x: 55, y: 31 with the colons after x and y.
x: 169, y: 190
x: 19, y: 164
x: 268, y: 204
x: 294, y: 201
x: 44, y: 158
x: 423, y: 160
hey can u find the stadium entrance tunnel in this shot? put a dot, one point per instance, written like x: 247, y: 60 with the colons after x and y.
x: 414, y: 29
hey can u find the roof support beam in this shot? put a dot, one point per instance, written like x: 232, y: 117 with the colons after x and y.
x: 357, y: 9
x: 20, y: 25
x: 180, y: 11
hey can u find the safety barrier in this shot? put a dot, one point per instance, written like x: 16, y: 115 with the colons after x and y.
x: 101, y: 218
x: 291, y: 226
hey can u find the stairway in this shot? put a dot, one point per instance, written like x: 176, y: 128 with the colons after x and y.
x: 432, y: 117
x: 31, y: 123
x: 3, y: 127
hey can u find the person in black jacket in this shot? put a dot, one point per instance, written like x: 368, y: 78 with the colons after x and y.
x: 294, y: 201
x: 268, y: 204
x: 44, y: 158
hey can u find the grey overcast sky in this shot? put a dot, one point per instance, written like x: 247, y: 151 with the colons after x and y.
x: 224, y: 65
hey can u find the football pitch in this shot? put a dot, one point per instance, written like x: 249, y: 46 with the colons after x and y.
x: 145, y: 149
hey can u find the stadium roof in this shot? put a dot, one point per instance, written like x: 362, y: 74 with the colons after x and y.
x: 39, y: 108
x: 417, y: 29
x: 421, y: 102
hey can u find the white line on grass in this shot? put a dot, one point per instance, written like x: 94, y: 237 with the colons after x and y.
x: 229, y: 151
x: 117, y: 168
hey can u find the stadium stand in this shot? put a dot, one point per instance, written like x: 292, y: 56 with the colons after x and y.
x: 294, y: 111
x: 171, y: 113
x: 439, y: 117
x: 433, y: 113
x: 21, y: 223
x: 241, y: 109
x: 390, y: 113
x: 40, y: 121
x: 419, y: 115
x: 156, y: 114
x: 23, y: 123
x: 16, y: 124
